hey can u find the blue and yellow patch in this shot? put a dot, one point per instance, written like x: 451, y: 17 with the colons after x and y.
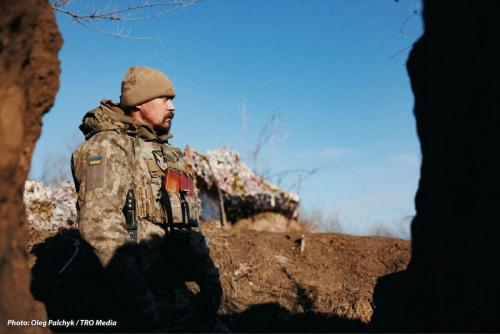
x: 95, y: 160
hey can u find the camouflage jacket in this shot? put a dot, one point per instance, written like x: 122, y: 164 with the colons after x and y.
x: 120, y: 154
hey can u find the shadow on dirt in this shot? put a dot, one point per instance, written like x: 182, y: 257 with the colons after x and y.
x: 68, y: 278
x: 273, y: 318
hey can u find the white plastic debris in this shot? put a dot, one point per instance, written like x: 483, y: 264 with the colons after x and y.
x: 50, y: 207
x: 242, y: 189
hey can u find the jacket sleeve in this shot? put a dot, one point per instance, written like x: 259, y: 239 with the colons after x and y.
x: 102, y: 178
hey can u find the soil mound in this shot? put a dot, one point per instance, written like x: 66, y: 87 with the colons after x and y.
x: 332, y: 278
x: 269, y: 222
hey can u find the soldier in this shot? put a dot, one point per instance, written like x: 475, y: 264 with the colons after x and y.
x: 127, y: 164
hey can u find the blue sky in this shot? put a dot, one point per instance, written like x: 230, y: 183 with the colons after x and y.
x: 332, y: 72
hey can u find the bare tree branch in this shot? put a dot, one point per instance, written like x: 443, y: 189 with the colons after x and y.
x: 303, y: 174
x: 267, y: 135
x: 266, y: 143
x: 134, y: 11
x: 416, y: 13
x: 118, y: 34
x: 117, y: 15
x: 56, y: 163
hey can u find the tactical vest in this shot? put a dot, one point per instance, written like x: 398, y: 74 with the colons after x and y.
x: 151, y: 163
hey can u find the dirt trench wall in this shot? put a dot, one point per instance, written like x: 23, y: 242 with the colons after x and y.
x: 29, y: 72
x: 452, y: 281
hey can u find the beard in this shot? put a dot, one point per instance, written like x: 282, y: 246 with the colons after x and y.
x: 165, y: 125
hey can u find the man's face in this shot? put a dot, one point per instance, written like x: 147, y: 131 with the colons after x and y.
x: 157, y: 113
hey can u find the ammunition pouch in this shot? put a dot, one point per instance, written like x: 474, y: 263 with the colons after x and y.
x: 166, y: 195
x: 178, y: 181
x: 178, y: 201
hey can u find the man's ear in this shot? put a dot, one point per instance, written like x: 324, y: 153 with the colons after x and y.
x: 131, y: 110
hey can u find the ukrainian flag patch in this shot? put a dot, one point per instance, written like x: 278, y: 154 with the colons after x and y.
x: 95, y: 160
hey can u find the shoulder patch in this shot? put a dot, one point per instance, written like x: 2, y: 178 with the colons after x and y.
x: 159, y: 160
x: 95, y: 160
x: 170, y: 156
x: 95, y: 172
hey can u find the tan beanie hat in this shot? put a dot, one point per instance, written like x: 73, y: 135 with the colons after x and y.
x: 142, y: 84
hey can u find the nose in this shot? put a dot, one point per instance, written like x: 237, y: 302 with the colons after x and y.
x: 170, y: 105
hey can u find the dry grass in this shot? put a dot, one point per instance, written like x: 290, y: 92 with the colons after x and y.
x: 317, y: 221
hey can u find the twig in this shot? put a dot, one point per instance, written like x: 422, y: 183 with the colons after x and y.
x: 129, y: 13
x: 303, y: 174
x: 400, y: 51
x: 118, y: 34
x: 416, y: 12
x: 401, y: 29
x: 116, y: 15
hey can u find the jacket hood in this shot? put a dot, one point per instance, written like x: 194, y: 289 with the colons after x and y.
x: 110, y: 117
